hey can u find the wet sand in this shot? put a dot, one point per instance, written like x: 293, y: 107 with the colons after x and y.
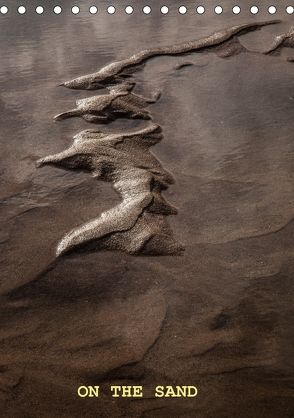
x: 220, y: 316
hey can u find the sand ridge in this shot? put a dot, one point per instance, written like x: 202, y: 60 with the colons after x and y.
x: 138, y: 224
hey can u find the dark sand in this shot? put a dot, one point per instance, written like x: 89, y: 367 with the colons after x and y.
x: 219, y: 317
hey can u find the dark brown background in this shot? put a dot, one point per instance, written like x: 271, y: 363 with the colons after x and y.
x: 221, y: 316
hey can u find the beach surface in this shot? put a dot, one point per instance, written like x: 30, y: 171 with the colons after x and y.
x: 219, y: 316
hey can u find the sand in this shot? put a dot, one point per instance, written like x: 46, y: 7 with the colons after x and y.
x: 220, y: 315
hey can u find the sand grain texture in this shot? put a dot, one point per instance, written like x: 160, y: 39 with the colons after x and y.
x: 220, y: 316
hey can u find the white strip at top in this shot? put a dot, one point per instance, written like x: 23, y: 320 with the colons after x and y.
x: 147, y: 10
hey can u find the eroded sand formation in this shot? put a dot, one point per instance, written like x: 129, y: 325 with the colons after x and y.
x: 285, y: 40
x: 225, y: 43
x: 138, y: 224
x: 120, y: 102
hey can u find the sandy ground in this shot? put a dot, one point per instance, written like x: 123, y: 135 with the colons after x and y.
x: 220, y: 317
